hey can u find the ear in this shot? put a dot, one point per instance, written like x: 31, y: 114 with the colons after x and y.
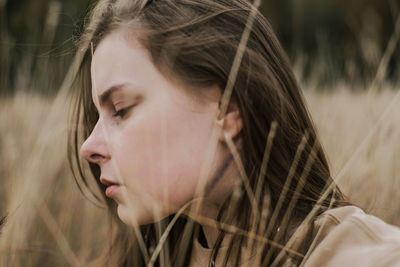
x: 231, y: 123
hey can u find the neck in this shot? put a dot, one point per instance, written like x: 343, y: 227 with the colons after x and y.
x: 209, y: 211
x: 225, y: 176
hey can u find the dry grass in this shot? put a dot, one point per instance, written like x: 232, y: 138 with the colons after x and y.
x: 344, y: 119
x: 51, y: 224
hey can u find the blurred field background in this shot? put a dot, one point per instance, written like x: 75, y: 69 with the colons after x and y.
x: 345, y: 54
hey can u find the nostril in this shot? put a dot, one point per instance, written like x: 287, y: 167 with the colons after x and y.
x: 96, y: 158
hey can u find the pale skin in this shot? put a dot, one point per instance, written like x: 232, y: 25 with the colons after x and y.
x: 152, y: 137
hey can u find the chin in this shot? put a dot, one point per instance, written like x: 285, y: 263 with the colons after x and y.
x: 136, y: 217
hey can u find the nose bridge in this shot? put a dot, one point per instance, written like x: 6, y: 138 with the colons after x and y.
x: 95, y: 145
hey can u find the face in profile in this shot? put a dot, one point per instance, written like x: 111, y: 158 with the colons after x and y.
x: 151, y: 139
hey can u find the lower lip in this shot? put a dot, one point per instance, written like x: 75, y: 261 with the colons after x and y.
x: 111, y: 190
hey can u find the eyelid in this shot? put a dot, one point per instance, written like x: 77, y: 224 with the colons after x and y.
x: 120, y: 101
x: 122, y: 110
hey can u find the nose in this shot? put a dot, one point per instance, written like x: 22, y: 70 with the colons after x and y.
x: 95, y: 149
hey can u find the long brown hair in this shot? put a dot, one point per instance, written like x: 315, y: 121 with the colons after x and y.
x: 196, y: 41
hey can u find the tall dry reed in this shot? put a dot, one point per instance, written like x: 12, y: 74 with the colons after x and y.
x: 50, y: 223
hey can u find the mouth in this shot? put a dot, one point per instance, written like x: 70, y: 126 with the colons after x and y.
x: 112, y: 187
x: 111, y: 190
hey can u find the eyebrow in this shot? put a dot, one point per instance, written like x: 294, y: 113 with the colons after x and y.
x: 105, y: 96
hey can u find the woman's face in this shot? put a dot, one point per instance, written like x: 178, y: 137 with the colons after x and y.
x: 152, y: 135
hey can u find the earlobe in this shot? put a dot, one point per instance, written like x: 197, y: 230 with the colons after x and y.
x: 233, y: 123
x: 230, y: 124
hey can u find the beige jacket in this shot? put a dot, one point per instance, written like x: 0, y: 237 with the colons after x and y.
x: 349, y: 237
x: 343, y: 237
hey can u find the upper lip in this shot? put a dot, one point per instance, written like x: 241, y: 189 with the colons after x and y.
x: 108, y: 182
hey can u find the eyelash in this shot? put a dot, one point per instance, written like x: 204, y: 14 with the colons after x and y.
x: 122, y: 112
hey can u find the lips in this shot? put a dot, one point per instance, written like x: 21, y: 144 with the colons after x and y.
x: 111, y: 190
x: 112, y: 186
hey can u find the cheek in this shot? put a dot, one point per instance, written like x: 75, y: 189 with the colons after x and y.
x: 188, y: 136
x: 160, y: 155
x: 138, y: 152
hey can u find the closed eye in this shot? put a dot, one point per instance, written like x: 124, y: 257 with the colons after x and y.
x: 122, y: 112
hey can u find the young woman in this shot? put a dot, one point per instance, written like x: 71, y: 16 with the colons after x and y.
x: 197, y: 134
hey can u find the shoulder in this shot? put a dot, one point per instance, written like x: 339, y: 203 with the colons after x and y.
x: 347, y: 236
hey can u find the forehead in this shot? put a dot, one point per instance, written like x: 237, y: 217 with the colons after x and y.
x: 121, y: 59
x: 116, y: 58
